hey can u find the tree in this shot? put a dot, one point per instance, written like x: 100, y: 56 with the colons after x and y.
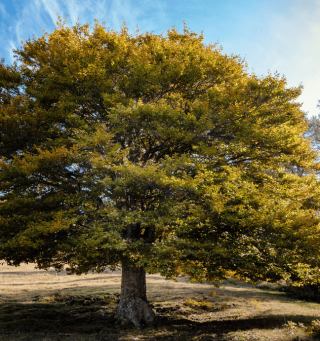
x: 314, y: 131
x: 152, y: 153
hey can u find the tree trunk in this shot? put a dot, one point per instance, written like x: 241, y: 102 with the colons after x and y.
x: 133, y: 306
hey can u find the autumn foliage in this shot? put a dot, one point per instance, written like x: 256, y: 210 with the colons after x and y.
x: 154, y: 151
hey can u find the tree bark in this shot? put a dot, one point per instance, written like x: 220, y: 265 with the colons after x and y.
x: 133, y: 306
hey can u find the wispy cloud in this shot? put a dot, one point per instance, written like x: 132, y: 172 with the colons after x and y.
x: 34, y: 15
x: 292, y: 47
x: 3, y: 10
x: 11, y: 46
x: 51, y: 8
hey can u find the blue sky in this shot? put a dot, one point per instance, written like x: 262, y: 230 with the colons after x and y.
x: 275, y: 35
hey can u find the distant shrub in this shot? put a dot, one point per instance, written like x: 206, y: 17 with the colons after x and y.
x: 268, y: 286
x: 308, y: 292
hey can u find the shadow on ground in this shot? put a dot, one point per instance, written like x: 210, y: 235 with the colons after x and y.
x: 93, y: 315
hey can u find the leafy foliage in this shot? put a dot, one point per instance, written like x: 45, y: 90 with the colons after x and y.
x: 156, y: 151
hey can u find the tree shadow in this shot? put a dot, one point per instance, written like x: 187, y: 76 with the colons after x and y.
x: 98, y: 318
x: 55, y: 317
x: 67, y: 314
x: 226, y: 326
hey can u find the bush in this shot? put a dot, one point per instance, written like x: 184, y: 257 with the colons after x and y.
x: 314, y: 329
x: 308, y: 292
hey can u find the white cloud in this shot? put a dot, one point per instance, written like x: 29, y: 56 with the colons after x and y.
x: 3, y: 10
x: 34, y: 15
x: 11, y: 46
x: 76, y: 9
x: 293, y: 45
x: 148, y: 14
x: 51, y: 8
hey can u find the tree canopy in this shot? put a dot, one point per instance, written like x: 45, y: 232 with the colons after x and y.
x: 153, y: 151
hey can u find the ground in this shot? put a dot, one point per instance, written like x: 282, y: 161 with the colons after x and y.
x: 42, y: 305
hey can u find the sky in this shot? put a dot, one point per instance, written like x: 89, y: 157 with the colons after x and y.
x: 272, y: 35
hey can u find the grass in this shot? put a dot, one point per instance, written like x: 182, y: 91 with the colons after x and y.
x: 40, y: 305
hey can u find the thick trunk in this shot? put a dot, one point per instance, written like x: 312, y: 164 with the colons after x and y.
x: 133, y: 306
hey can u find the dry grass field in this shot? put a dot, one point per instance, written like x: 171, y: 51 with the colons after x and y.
x: 42, y: 305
